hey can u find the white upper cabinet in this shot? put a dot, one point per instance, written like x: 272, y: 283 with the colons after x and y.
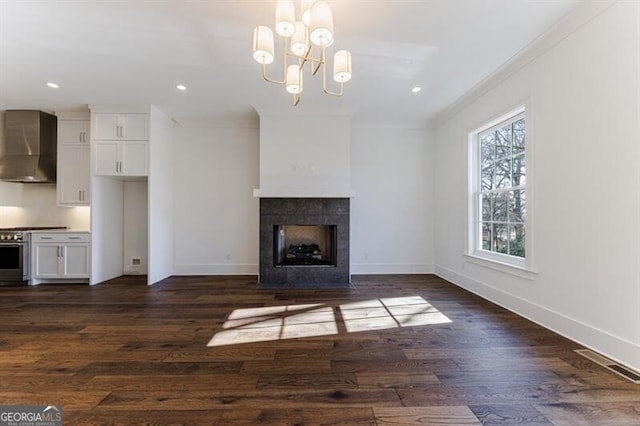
x: 72, y: 132
x: 109, y: 127
x: 121, y: 158
x: 73, y: 175
x: 73, y: 181
x: 120, y: 144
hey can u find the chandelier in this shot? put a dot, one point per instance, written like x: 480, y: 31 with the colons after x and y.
x: 304, y: 42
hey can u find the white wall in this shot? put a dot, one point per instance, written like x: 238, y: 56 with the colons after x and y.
x: 36, y: 205
x: 107, y: 222
x: 10, y: 194
x: 160, y: 208
x: 304, y: 155
x: 583, y: 186
x: 216, y: 215
x: 392, y: 212
x: 119, y: 228
x: 135, y: 229
x: 216, y: 168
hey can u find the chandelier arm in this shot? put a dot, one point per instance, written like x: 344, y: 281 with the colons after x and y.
x: 284, y: 76
x: 320, y: 62
x: 270, y: 80
x: 307, y: 57
x: 328, y: 92
x: 324, y: 79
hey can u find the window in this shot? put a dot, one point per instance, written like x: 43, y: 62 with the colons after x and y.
x: 499, y: 190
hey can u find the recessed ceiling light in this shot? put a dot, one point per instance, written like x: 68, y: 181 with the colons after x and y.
x: 181, y: 87
x: 52, y: 85
x: 416, y: 89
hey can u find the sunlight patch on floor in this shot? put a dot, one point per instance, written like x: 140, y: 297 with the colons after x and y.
x: 390, y: 312
x: 275, y: 323
x: 271, y: 323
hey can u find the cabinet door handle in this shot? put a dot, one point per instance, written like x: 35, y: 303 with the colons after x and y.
x: 46, y: 238
x: 79, y: 195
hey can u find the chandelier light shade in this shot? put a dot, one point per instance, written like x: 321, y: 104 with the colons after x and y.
x: 263, y: 45
x: 342, y: 66
x: 321, y: 33
x: 294, y: 79
x: 285, y: 18
x: 304, y: 41
x: 300, y: 40
x: 305, y: 6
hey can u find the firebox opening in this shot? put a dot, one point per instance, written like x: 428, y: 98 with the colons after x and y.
x: 304, y: 245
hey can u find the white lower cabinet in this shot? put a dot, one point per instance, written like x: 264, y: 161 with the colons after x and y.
x: 60, y: 257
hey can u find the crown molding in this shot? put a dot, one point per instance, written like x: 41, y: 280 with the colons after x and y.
x: 569, y: 24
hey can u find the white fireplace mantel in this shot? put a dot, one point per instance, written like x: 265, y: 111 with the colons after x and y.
x: 306, y: 192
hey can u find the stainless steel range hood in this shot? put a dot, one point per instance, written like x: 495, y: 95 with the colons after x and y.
x: 28, y: 152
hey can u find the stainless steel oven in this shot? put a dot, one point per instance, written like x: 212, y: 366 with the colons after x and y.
x: 14, y: 256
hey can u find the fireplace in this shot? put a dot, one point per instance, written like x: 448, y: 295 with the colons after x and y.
x: 304, y: 243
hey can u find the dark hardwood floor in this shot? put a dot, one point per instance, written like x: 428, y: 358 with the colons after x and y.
x: 215, y: 350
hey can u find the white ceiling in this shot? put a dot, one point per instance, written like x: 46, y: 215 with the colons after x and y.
x: 136, y: 51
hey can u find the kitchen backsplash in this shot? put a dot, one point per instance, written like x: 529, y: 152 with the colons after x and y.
x: 36, y: 205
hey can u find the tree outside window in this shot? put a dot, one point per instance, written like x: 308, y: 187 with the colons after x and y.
x: 501, y: 192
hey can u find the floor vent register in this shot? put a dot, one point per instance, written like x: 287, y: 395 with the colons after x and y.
x: 610, y: 365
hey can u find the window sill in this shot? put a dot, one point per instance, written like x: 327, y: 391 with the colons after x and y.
x: 496, y: 265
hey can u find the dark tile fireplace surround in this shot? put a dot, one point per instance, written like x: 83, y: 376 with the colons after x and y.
x: 304, y: 243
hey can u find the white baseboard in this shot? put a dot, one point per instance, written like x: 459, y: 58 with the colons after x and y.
x: 253, y: 269
x: 216, y: 269
x: 391, y: 268
x: 614, y: 347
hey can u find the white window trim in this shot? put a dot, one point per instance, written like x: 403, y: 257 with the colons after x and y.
x: 522, y: 267
x: 498, y: 265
